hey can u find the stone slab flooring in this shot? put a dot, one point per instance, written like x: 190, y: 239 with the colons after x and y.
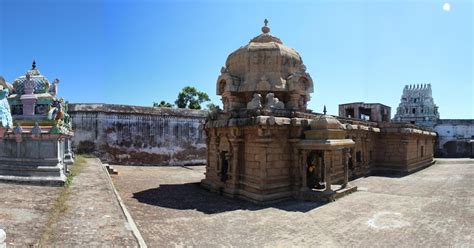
x: 93, y: 217
x: 24, y: 212
x: 431, y: 208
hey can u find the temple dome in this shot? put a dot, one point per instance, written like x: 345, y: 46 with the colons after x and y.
x: 325, y: 122
x: 42, y: 84
x: 265, y: 65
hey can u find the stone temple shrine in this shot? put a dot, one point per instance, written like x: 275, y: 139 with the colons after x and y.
x: 35, y: 131
x: 265, y: 146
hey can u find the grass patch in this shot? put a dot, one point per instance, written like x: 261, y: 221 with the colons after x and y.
x: 87, y: 155
x: 60, y: 205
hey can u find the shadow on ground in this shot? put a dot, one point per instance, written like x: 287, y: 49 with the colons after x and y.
x: 191, y: 196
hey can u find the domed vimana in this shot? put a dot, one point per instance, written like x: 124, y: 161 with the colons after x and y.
x: 265, y: 146
x: 265, y: 66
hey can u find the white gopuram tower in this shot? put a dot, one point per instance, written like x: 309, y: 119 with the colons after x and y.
x: 417, y: 106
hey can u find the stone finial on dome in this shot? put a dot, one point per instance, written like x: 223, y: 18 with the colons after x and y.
x: 324, y: 110
x: 265, y: 29
x: 33, y: 66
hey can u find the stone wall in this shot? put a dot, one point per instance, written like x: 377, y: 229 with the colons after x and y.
x: 264, y: 158
x: 455, y: 138
x: 135, y: 135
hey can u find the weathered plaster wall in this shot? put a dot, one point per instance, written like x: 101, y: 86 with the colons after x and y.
x: 139, y: 135
x: 455, y: 138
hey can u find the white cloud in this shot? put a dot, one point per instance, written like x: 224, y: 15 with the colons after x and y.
x: 446, y: 7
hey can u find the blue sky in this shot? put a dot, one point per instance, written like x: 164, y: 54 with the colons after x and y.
x: 137, y: 52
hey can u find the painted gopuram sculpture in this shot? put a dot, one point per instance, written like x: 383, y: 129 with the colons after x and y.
x: 35, y: 131
x: 265, y: 146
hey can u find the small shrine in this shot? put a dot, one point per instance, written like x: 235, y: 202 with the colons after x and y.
x: 266, y: 146
x: 256, y: 145
x: 35, y: 131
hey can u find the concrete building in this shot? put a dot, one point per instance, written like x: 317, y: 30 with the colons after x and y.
x: 265, y: 146
x: 365, y: 111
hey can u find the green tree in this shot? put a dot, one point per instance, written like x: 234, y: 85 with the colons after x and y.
x: 212, y: 106
x: 191, y: 98
x: 163, y: 104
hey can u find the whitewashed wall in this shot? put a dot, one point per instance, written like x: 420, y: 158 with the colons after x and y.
x: 140, y: 135
x: 461, y: 131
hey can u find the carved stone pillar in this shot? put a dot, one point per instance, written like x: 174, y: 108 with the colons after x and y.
x: 327, y: 169
x: 262, y: 146
x: 304, y: 171
x: 235, y: 143
x: 293, y: 103
x: 345, y: 156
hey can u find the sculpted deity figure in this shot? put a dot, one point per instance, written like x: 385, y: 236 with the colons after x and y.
x: 29, y: 85
x: 57, y: 111
x: 256, y: 102
x: 54, y: 88
x: 273, y: 102
x: 5, y: 113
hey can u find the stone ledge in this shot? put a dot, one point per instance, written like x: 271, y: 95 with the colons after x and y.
x: 40, y: 181
x: 130, y: 109
x: 322, y: 196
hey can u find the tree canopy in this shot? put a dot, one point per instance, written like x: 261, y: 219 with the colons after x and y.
x: 163, y: 104
x: 191, y: 98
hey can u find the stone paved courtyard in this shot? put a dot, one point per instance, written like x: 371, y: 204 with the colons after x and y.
x: 433, y: 207
x: 92, y: 218
x: 24, y: 212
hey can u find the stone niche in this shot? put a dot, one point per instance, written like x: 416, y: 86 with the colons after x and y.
x: 265, y: 146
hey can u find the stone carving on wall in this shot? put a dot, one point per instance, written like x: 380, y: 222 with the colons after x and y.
x: 263, y: 84
x: 256, y: 102
x: 273, y: 102
x: 226, y: 82
x: 300, y: 81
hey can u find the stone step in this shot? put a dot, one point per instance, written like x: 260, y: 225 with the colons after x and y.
x: 31, y: 171
x: 110, y: 169
x: 35, y: 180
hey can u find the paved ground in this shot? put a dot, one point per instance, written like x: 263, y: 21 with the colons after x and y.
x: 433, y: 207
x: 93, y: 217
x: 24, y: 212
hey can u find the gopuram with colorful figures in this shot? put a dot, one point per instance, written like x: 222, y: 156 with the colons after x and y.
x: 35, y: 131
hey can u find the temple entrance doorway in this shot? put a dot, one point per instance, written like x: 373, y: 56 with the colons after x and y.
x: 224, y: 166
x: 315, y: 170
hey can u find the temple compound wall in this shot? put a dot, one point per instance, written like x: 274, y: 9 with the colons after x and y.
x: 136, y: 135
